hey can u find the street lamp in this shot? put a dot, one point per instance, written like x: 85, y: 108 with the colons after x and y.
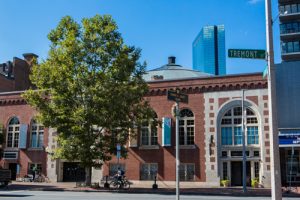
x: 273, y: 126
x: 275, y: 18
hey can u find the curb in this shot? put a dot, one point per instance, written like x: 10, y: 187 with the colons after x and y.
x: 162, y: 191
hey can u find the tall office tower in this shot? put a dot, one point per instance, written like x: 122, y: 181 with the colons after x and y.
x: 209, y: 50
x: 289, y: 17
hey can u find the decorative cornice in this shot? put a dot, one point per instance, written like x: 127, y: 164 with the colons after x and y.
x: 194, y: 89
x: 12, y: 101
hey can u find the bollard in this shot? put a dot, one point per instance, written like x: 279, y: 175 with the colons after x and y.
x: 106, y: 184
x: 154, y: 186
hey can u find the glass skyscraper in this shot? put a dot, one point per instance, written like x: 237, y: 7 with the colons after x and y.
x: 209, y: 50
x: 289, y: 16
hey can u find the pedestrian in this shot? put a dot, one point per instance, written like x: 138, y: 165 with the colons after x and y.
x: 34, y: 170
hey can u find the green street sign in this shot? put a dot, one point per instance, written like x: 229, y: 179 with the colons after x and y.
x: 247, y: 53
x: 177, y: 96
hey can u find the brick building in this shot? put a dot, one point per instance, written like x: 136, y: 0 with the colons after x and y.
x: 25, y: 139
x: 209, y: 128
x: 14, y: 76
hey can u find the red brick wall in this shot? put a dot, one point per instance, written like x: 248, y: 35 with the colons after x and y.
x: 6, y: 84
x: 195, y: 88
x: 21, y: 74
x: 24, y: 113
x: 165, y: 156
x: 20, y: 80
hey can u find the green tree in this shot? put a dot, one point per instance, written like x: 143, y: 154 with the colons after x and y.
x: 91, y: 89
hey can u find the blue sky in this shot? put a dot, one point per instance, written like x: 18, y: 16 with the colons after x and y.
x: 159, y: 27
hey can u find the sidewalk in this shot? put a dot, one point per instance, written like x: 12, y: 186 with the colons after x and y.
x: 219, y: 191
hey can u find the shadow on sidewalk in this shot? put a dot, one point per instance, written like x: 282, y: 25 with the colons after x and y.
x: 20, y: 186
x: 229, y: 191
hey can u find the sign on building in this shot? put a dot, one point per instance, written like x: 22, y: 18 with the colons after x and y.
x: 247, y: 53
x: 289, y: 138
x: 166, y: 131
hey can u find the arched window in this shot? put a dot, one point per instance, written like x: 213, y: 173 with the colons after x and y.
x: 186, y: 127
x: 13, y: 133
x: 37, y: 135
x: 231, y: 127
x: 149, y: 134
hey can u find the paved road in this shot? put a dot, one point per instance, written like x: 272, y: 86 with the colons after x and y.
x: 58, y: 195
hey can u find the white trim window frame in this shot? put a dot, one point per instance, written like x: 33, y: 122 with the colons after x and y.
x: 186, y: 127
x: 36, y: 135
x: 232, y: 121
x: 13, y: 133
x: 149, y: 134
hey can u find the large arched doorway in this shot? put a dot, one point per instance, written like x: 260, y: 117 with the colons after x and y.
x: 231, y: 140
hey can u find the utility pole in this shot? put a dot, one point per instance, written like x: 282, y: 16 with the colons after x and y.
x: 177, y: 151
x: 177, y: 96
x: 273, y: 130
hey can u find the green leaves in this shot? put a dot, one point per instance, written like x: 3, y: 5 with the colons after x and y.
x: 90, y: 79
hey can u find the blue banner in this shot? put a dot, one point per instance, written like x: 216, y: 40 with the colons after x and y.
x: 18, y: 169
x: 289, y: 140
x: 23, y: 136
x: 166, y: 131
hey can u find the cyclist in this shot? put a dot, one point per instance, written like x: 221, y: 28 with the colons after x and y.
x: 120, y: 174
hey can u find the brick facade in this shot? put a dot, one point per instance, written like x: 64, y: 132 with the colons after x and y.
x: 13, y: 105
x: 207, y: 98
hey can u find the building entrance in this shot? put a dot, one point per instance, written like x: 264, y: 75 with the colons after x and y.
x: 237, y: 173
x: 13, y: 170
x: 72, y: 172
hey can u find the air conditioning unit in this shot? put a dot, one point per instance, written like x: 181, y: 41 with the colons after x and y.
x: 10, y: 155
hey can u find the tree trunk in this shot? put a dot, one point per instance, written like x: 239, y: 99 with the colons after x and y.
x: 88, y: 176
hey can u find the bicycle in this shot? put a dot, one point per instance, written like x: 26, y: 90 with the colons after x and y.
x: 41, y: 178
x: 122, y: 183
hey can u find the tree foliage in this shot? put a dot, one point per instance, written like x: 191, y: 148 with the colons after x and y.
x: 90, y: 88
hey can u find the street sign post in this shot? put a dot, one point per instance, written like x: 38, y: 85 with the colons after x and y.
x: 118, y: 153
x: 177, y: 96
x: 247, y: 53
x: 118, y: 147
